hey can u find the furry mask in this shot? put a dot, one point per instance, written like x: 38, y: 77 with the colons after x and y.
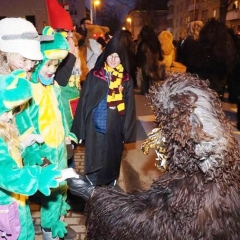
x: 185, y: 103
x: 95, y: 31
x: 198, y: 196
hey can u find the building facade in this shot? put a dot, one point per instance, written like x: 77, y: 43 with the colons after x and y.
x: 181, y: 12
x: 36, y: 12
x: 152, y: 13
x: 134, y: 21
x: 76, y: 9
x: 233, y: 16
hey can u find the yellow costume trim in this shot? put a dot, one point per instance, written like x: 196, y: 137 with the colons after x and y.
x: 20, y: 199
x: 50, y: 119
x: 115, y: 93
x: 56, y: 54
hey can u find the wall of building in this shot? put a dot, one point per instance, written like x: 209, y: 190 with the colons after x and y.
x: 32, y: 10
x: 77, y: 10
x: 134, y: 21
x: 35, y: 11
x: 185, y: 11
x: 181, y: 12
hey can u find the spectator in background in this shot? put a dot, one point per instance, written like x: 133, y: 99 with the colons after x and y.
x: 188, y: 51
x: 210, y: 56
x: 94, y: 49
x: 82, y: 30
x: 148, y: 56
x: 131, y: 46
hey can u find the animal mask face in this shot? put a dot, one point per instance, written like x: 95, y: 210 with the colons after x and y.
x: 95, y: 31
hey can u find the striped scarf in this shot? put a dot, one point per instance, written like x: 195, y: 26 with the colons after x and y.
x: 115, y: 91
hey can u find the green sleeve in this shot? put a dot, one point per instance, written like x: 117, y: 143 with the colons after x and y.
x: 21, y: 180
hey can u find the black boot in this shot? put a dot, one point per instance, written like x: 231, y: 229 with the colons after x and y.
x: 80, y: 187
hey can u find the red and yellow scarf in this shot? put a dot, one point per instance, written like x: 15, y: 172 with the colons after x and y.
x: 115, y: 91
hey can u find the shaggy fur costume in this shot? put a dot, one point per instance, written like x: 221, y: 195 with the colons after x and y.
x: 198, y: 196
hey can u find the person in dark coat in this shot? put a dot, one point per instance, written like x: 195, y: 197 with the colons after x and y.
x: 82, y: 30
x: 131, y: 49
x: 106, y: 117
x: 148, y: 57
x: 210, y: 56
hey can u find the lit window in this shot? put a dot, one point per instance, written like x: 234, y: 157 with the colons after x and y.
x: 214, y: 13
x: 236, y: 4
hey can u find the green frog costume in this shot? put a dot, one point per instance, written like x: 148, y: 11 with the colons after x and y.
x: 18, y: 181
x: 47, y: 115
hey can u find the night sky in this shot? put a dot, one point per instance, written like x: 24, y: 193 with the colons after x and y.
x: 124, y: 9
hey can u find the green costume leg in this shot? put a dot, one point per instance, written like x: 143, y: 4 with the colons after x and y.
x: 27, y: 229
x: 52, y: 208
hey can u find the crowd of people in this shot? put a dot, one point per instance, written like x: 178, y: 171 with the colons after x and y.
x: 197, y: 195
x: 63, y: 88
x: 44, y: 115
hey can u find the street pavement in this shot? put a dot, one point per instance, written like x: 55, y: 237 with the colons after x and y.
x: 137, y: 170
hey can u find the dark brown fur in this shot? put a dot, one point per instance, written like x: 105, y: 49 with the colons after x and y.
x: 198, y: 196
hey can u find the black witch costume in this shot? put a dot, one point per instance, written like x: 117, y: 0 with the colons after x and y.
x: 105, y: 117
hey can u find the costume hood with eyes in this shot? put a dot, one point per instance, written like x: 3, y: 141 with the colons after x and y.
x: 47, y: 118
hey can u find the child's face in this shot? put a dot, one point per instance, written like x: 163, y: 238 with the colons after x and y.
x: 17, y: 61
x: 49, y: 68
x: 113, y: 60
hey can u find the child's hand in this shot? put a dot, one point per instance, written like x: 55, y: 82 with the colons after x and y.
x: 67, y: 173
x: 31, y: 139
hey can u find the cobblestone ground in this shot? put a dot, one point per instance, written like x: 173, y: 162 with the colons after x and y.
x: 75, y: 217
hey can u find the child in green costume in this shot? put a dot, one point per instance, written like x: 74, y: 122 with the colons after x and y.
x: 18, y: 181
x: 49, y: 121
x: 20, y: 49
